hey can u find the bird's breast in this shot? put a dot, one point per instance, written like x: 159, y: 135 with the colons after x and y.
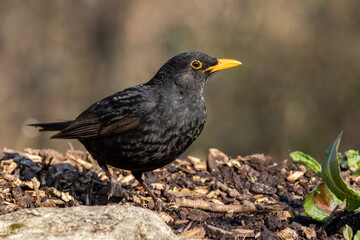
x: 169, y: 131
x: 175, y: 123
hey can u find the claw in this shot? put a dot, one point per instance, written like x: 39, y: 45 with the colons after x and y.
x: 161, y: 206
x: 117, y: 190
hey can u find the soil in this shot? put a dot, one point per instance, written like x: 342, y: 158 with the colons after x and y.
x: 220, y: 198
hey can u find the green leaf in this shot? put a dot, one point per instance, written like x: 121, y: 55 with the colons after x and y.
x: 307, y: 160
x: 357, y: 235
x: 331, y: 175
x: 320, y: 203
x: 353, y: 158
x: 356, y: 173
x: 347, y: 232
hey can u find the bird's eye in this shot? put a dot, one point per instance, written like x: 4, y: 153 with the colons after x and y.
x: 196, y: 64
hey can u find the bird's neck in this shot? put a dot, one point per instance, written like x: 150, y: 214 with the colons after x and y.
x: 193, y: 92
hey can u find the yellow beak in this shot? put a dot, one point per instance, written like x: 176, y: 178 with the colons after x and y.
x: 223, y: 64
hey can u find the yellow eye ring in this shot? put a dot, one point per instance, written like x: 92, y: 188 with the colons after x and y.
x: 196, y: 64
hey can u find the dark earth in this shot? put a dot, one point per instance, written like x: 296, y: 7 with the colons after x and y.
x: 250, y: 197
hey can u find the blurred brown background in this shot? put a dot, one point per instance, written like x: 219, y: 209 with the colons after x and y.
x: 297, y: 89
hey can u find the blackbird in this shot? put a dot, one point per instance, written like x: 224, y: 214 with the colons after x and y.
x: 145, y: 127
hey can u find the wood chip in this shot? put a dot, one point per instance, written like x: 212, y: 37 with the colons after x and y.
x: 127, y: 180
x: 185, y: 190
x: 201, y: 190
x: 195, y: 178
x: 262, y: 188
x: 295, y: 176
x: 187, y: 170
x: 76, y: 158
x: 136, y: 199
x: 49, y: 203
x: 201, y: 166
x: 197, y: 163
x: 9, y: 177
x: 288, y: 234
x: 43, y: 153
x: 229, y: 214
x: 310, y: 233
x: 215, y: 158
x: 195, y: 233
x: 16, y: 183
x: 198, y: 215
x: 266, y: 200
x: 182, y: 162
x: 193, y: 160
x: 181, y: 222
x: 234, y: 163
x: 32, y: 157
x: 158, y: 186
x: 34, y: 183
x: 57, y: 201
x: 165, y: 217
x: 66, y: 197
x: 244, y: 233
x: 284, y: 215
x: 218, y: 155
x: 11, y: 167
x: 213, y: 194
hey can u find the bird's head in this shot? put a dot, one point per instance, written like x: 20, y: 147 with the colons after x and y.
x: 191, y: 70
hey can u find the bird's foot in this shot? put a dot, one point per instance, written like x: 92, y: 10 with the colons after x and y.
x: 161, y: 206
x: 117, y: 190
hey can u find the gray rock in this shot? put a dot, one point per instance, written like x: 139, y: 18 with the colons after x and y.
x: 84, y: 222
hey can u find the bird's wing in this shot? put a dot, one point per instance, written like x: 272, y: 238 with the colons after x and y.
x: 86, y: 128
x: 121, y: 126
x: 116, y: 114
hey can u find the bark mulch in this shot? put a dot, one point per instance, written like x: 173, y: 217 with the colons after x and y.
x: 220, y: 198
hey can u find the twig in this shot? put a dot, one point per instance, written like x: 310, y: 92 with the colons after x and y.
x: 230, y: 191
x: 201, y: 204
x: 186, y: 194
x: 214, y: 231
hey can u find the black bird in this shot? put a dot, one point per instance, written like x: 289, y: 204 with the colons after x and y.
x: 147, y: 126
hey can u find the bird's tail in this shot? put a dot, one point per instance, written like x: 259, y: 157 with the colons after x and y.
x: 54, y: 126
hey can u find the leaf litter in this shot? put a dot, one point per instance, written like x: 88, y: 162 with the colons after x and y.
x: 220, y: 198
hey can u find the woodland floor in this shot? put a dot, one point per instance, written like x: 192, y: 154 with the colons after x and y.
x: 221, y: 198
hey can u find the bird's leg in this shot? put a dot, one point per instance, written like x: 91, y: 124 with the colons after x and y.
x: 113, y: 182
x: 159, y: 205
